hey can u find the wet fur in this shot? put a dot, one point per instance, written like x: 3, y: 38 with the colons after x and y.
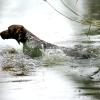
x: 31, y: 43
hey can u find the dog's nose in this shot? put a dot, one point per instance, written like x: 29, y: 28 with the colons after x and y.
x: 0, y: 33
x: 4, y: 34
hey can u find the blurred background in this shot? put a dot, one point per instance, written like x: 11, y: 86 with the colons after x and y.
x: 74, y: 24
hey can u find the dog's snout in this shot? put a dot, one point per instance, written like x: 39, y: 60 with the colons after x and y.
x: 4, y: 34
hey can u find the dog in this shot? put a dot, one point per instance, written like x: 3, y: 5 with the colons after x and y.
x: 32, y: 45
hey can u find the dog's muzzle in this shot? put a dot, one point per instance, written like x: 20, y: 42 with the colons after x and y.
x: 5, y: 34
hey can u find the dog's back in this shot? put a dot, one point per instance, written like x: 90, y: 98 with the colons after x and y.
x: 35, y: 46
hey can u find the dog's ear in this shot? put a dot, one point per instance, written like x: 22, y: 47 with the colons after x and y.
x: 21, y: 34
x: 17, y: 32
x: 15, y: 29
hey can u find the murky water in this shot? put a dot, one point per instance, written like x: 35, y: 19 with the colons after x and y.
x: 55, y: 76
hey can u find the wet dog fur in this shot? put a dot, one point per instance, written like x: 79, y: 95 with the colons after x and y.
x: 31, y: 43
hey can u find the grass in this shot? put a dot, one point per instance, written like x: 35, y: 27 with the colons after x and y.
x: 92, y: 32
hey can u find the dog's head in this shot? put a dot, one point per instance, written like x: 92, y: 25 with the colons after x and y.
x: 17, y: 32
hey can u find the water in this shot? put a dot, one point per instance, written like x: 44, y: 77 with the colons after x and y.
x: 55, y: 76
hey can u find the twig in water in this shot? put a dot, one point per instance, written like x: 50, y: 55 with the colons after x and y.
x: 69, y: 8
x: 95, y: 72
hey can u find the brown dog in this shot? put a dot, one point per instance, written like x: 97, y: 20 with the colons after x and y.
x: 32, y: 45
